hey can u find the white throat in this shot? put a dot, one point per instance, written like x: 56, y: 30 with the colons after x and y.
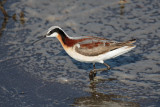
x: 55, y: 34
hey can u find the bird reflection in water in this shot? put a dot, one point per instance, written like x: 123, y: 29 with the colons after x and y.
x: 98, y: 99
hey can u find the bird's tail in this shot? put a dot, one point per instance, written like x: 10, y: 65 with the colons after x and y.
x: 131, y: 41
x: 127, y: 43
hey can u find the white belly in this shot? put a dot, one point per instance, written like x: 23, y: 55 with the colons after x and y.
x: 99, y: 58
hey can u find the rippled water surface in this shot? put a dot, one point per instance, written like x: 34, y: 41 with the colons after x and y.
x: 43, y: 75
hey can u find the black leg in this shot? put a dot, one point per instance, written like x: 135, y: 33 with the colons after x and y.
x: 91, y: 75
x: 94, y: 67
x: 108, y: 67
x: 103, y: 69
x: 93, y: 72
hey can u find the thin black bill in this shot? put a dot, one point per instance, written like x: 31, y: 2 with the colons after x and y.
x: 40, y: 38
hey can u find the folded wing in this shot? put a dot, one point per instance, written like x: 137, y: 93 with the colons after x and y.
x: 98, y: 46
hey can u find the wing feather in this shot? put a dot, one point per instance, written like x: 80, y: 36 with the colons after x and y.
x: 97, y: 46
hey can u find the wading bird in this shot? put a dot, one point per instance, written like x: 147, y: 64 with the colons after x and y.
x: 90, y: 49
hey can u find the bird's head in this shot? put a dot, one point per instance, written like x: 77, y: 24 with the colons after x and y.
x: 53, y: 31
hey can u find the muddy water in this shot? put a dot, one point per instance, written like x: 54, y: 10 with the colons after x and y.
x: 44, y: 75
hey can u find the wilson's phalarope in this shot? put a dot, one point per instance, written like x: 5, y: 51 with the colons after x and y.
x: 90, y: 49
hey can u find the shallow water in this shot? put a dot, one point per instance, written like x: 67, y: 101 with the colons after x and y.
x: 44, y: 75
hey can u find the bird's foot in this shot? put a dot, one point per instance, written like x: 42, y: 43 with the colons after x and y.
x: 92, y: 74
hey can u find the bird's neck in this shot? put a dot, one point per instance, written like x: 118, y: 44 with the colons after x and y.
x: 65, y: 40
